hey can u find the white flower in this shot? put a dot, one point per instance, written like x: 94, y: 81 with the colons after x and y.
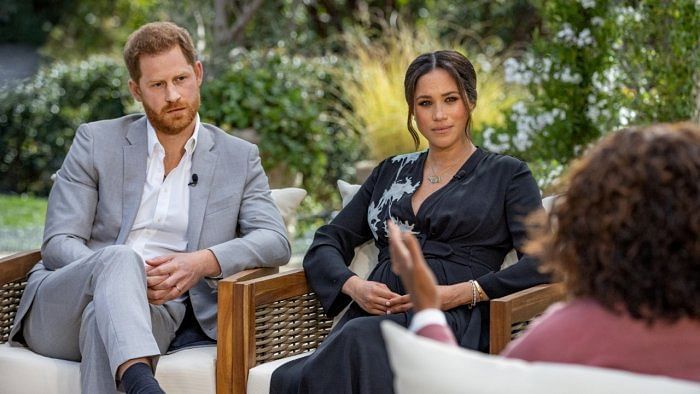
x: 546, y: 65
x: 626, y: 116
x: 519, y: 108
x: 584, y: 38
x: 597, y: 21
x: 566, y: 33
x: 587, y: 3
x: 515, y: 72
x: 501, y: 145
x: 527, y: 125
x: 605, y: 83
x: 592, y: 113
x: 566, y: 76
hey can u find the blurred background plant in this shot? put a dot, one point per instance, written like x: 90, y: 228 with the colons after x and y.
x: 595, y: 66
x: 319, y: 83
x: 287, y: 105
x: 38, y: 118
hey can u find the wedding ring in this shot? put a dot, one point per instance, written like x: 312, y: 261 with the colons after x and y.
x: 178, y: 288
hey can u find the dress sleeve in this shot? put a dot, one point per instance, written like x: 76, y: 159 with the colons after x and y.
x: 326, y: 262
x: 522, y: 198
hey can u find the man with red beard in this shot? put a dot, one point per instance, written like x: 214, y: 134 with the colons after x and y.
x: 146, y: 213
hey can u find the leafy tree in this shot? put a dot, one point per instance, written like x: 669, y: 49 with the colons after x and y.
x: 96, y: 26
x: 29, y: 21
x: 658, y: 54
x: 597, y: 65
x: 565, y: 71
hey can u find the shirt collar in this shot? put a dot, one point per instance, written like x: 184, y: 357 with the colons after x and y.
x: 190, y: 145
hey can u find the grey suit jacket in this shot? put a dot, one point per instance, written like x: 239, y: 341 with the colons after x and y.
x: 97, y: 193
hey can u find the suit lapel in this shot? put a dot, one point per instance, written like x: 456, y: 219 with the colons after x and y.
x: 135, y: 158
x: 203, y: 164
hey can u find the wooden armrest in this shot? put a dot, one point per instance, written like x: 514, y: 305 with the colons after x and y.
x: 272, y: 317
x: 236, y: 325
x: 16, y: 266
x: 519, y: 307
x: 252, y: 273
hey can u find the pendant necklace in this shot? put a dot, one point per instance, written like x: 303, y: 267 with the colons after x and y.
x: 435, y: 177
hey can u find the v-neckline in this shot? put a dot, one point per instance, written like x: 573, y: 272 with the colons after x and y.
x: 466, y: 167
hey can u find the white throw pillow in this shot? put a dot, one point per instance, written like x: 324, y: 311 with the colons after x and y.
x: 287, y: 201
x: 366, y: 255
x: 422, y: 365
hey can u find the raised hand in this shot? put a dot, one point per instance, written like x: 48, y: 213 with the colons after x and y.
x: 408, y: 262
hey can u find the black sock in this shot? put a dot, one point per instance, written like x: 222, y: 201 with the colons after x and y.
x: 139, y: 379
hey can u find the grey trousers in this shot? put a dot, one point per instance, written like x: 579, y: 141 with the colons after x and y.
x: 95, y: 311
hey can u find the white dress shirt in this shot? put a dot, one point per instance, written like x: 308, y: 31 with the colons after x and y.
x: 160, y: 226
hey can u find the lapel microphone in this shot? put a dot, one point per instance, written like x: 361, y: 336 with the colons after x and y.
x: 194, y: 180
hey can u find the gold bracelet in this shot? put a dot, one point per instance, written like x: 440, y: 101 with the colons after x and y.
x: 474, y: 294
x: 479, y: 290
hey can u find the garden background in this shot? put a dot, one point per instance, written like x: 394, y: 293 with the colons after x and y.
x: 318, y: 84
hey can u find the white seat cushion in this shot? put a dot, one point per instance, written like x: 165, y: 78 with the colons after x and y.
x: 259, y: 377
x: 423, y: 365
x: 23, y: 371
x: 188, y: 371
x: 191, y: 371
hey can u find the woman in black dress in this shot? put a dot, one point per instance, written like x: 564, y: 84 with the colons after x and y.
x: 464, y: 205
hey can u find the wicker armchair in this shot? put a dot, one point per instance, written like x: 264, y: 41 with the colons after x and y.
x: 277, y: 316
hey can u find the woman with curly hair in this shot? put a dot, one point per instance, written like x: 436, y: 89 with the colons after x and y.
x: 625, y: 240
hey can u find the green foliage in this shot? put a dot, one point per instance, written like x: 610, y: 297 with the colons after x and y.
x: 491, y: 26
x: 29, y: 21
x: 569, y: 106
x: 292, y: 104
x: 598, y: 65
x: 39, y: 118
x: 98, y: 26
x: 658, y: 49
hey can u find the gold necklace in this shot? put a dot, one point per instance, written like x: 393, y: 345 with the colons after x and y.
x: 436, y: 177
